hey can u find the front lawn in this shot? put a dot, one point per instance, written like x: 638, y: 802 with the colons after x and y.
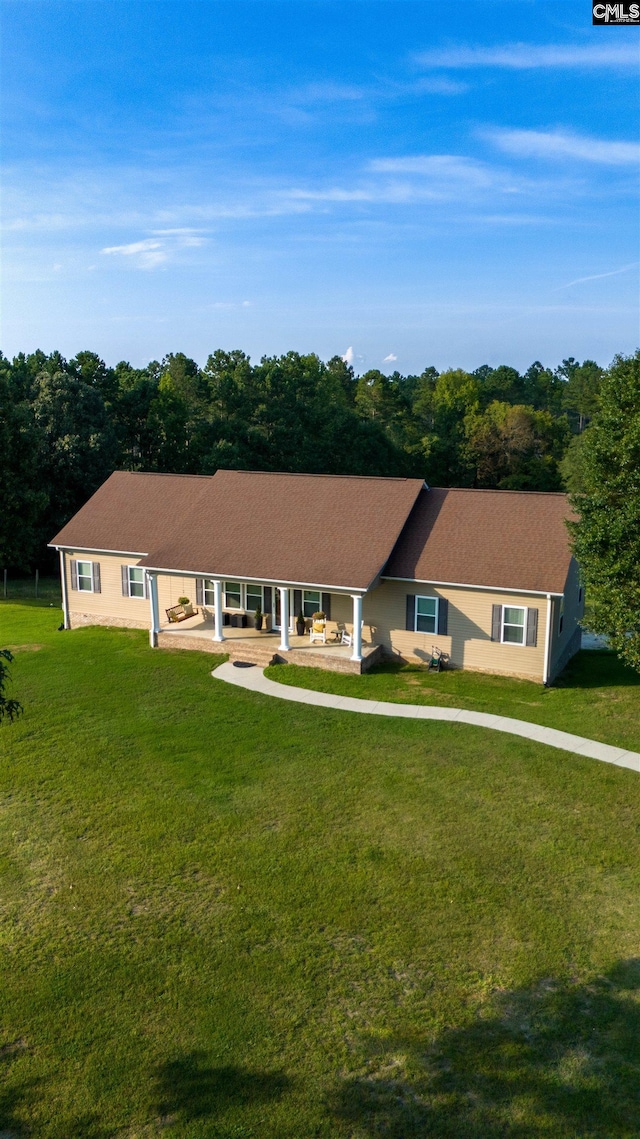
x: 596, y: 696
x: 229, y: 916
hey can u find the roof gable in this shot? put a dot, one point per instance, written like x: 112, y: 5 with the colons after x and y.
x: 492, y: 538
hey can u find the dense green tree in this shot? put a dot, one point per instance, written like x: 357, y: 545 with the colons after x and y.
x: 606, y: 538
x: 543, y: 389
x: 24, y: 494
x: 515, y: 447
x: 499, y: 384
x: 78, y: 447
x: 581, y: 391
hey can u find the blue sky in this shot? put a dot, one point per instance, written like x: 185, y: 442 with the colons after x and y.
x: 406, y: 183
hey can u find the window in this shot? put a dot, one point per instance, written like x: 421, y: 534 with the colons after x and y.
x: 253, y: 599
x: 579, y: 595
x: 513, y: 625
x: 136, y: 581
x: 311, y: 602
x: 426, y: 614
x: 232, y: 595
x: 208, y: 593
x: 561, y: 617
x: 85, y: 577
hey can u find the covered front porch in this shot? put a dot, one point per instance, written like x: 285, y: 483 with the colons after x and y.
x: 265, y: 647
x: 226, y: 611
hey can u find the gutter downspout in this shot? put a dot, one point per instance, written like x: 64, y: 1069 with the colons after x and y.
x: 63, y: 582
x: 547, y: 644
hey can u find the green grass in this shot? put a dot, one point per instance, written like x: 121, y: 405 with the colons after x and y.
x: 230, y: 916
x: 596, y: 696
x: 24, y: 588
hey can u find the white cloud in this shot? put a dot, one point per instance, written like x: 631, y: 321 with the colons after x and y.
x: 331, y: 194
x: 133, y: 247
x: 148, y: 253
x: 390, y: 359
x: 599, y: 276
x: 441, y: 167
x: 524, y: 57
x: 565, y: 144
x: 349, y: 356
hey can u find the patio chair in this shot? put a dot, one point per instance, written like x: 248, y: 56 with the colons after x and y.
x: 343, y: 636
x: 318, y: 632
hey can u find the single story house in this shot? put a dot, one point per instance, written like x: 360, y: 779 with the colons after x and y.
x: 485, y: 576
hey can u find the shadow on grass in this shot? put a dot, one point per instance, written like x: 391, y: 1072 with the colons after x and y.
x: 187, y: 1089
x: 14, y: 1095
x: 556, y: 1059
x: 597, y: 668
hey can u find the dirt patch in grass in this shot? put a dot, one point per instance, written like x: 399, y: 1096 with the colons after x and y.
x: 34, y: 648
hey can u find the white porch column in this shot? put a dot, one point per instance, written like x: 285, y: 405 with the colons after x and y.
x: 284, y: 618
x: 217, y: 611
x: 152, y: 580
x: 63, y: 582
x: 357, y: 626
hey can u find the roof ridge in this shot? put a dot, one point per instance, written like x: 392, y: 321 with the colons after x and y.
x: 320, y: 475
x: 499, y: 490
x: 163, y: 474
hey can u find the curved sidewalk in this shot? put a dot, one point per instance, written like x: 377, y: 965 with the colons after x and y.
x: 254, y: 680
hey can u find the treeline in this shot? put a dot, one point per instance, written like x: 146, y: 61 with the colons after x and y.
x: 66, y: 424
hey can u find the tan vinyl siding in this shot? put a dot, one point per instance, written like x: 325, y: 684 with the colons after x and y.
x: 468, y: 641
x: 109, y: 606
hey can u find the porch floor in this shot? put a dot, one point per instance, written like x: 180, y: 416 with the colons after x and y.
x: 263, y: 647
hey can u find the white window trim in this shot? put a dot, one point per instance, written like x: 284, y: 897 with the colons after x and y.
x: 516, y: 644
x: 81, y: 562
x: 232, y: 608
x: 318, y: 610
x: 425, y: 597
x: 245, y: 586
x: 134, y: 596
x: 242, y: 608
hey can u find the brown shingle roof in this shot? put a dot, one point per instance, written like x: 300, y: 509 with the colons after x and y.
x: 132, y: 512
x: 314, y: 529
x: 505, y: 539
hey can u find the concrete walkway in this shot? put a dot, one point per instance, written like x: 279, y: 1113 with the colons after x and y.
x: 254, y: 680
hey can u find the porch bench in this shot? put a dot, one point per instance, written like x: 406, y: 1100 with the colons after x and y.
x: 180, y: 613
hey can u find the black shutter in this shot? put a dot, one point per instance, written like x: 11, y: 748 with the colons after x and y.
x: 297, y: 601
x: 411, y: 613
x: 443, y: 616
x: 532, y: 627
x: 95, y: 574
x: 496, y: 623
x: 326, y: 605
x: 199, y: 591
x: 73, y: 567
x: 124, y: 574
x: 267, y: 599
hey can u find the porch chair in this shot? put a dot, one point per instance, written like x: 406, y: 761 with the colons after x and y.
x: 318, y: 632
x: 343, y: 636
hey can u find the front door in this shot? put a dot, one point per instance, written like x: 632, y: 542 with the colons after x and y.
x: 276, y: 624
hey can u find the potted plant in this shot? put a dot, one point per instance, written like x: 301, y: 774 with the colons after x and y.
x: 301, y: 625
x: 319, y: 616
x: 186, y: 605
x: 257, y: 619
